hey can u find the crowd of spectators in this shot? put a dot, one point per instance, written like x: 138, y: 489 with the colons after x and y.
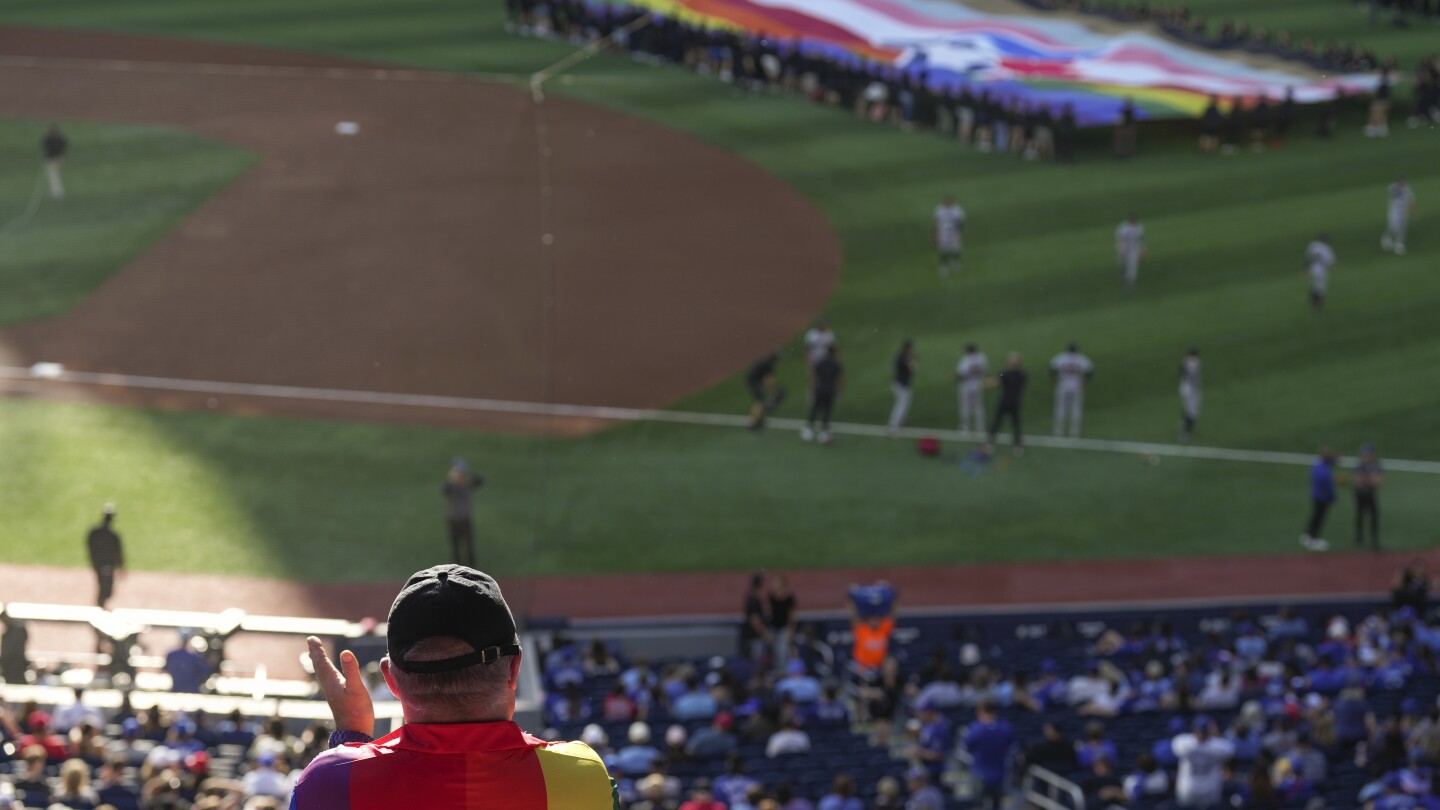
x: 81, y: 758
x: 1249, y: 711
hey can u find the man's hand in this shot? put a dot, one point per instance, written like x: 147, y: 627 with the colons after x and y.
x: 344, y: 689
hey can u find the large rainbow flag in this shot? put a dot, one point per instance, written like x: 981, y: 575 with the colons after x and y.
x: 1027, y: 57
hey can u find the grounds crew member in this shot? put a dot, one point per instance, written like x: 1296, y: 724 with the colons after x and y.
x: 453, y: 663
x: 106, y: 555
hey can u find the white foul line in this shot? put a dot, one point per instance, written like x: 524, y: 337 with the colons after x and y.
x: 615, y: 414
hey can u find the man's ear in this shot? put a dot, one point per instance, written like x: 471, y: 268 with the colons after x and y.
x: 515, y: 669
x: 389, y: 679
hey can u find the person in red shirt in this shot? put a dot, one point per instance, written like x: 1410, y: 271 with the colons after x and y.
x: 701, y: 798
x: 453, y: 663
x: 39, y: 734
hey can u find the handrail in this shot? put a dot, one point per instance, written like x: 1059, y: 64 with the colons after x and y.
x: 1055, y: 785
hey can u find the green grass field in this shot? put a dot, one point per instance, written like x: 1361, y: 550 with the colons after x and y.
x: 244, y: 495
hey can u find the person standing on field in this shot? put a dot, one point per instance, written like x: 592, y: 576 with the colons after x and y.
x: 54, y: 146
x: 1071, y: 371
x: 827, y: 379
x: 1011, y: 382
x: 970, y: 374
x: 1368, y: 478
x: 1322, y: 496
x: 818, y: 342
x: 1319, y: 260
x: 905, y: 366
x: 1397, y: 219
x: 949, y: 227
x: 1130, y: 249
x: 764, y: 392
x: 107, y: 555
x: 1189, y: 393
x: 459, y: 492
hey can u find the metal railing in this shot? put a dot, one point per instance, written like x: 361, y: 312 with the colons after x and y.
x: 1043, y: 788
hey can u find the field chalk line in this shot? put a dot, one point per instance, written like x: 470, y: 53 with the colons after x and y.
x: 614, y: 414
x: 31, y: 207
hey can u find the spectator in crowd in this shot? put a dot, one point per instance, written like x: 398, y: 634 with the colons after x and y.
x: 790, y: 739
x: 111, y: 788
x: 1102, y: 787
x: 1201, y: 754
x: 695, y: 703
x: 659, y: 785
x: 1411, y: 587
x: 733, y: 785
x: 75, y: 714
x: 701, y: 798
x: 1148, y: 783
x: 453, y: 662
x: 1054, y: 752
x: 781, y: 604
x: 637, y: 758
x: 923, y: 794
x: 715, y: 741
x: 13, y: 661
x: 186, y: 665
x: 933, y: 740
x: 107, y: 555
x: 265, y: 779
x: 32, y: 785
x: 798, y: 685
x: 841, y: 796
x: 38, y: 732
x: 990, y: 742
x: 1094, y: 746
x: 888, y: 794
x: 881, y: 696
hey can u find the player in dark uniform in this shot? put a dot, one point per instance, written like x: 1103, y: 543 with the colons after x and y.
x: 459, y: 490
x: 106, y: 555
x: 1368, y: 478
x: 827, y: 378
x: 54, y: 146
x: 1011, y: 382
x: 1210, y: 127
x: 765, y: 395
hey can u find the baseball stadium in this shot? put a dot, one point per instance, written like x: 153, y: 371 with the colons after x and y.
x: 861, y: 404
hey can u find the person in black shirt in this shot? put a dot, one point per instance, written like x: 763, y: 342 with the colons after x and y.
x: 459, y: 490
x: 1066, y: 130
x: 1011, y: 382
x: 1285, y: 116
x: 54, y: 145
x: 106, y: 555
x: 1234, y: 126
x: 904, y: 373
x: 782, y: 618
x: 1126, y: 132
x: 765, y: 395
x: 1259, y: 124
x: 755, y: 626
x: 1378, y: 125
x: 1210, y: 127
x: 13, y: 660
x: 827, y: 377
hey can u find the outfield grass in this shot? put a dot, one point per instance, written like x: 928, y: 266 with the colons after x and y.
x: 1226, y: 238
x: 127, y: 185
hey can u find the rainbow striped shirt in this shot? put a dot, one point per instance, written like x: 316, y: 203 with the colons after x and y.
x: 461, y: 766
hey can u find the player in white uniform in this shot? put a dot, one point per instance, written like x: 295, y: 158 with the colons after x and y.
x: 1130, y: 249
x: 1319, y: 261
x: 1189, y: 393
x: 1397, y: 220
x: 818, y: 342
x: 1071, y: 370
x: 949, y: 225
x: 970, y: 374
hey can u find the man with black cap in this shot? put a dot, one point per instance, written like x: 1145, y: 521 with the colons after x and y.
x: 453, y: 663
x: 106, y: 554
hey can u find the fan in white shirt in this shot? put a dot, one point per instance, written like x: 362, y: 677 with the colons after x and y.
x: 818, y: 341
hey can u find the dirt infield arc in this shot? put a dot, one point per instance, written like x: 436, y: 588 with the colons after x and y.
x: 409, y: 258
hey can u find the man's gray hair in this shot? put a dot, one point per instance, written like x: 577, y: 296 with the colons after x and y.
x: 479, y: 692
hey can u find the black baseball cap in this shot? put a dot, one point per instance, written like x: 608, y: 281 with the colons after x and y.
x: 453, y: 601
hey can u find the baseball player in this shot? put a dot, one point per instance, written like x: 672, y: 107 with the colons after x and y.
x: 1071, y: 370
x: 1189, y: 393
x: 970, y: 374
x: 1130, y: 249
x: 949, y: 225
x: 54, y: 145
x: 1320, y: 260
x: 818, y: 342
x: 901, y: 385
x: 1397, y: 221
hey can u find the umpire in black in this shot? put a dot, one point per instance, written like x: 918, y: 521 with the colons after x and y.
x: 1011, y: 382
x: 107, y: 555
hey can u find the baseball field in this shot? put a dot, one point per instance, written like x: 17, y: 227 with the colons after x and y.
x: 208, y: 235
